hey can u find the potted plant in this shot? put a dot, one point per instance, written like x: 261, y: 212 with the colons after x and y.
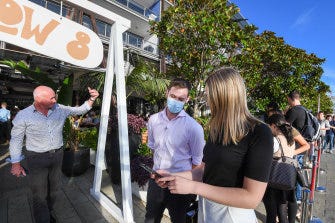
x: 138, y: 174
x: 76, y: 159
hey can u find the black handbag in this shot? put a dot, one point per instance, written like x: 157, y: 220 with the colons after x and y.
x: 283, y: 174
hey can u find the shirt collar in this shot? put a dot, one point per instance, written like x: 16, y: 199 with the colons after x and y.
x: 50, y: 110
x: 180, y: 114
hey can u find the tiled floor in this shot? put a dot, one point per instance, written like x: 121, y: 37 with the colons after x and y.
x: 77, y: 205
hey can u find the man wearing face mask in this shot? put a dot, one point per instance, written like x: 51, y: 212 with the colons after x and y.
x: 177, y: 142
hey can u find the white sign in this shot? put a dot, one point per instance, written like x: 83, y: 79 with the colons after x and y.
x: 33, y: 27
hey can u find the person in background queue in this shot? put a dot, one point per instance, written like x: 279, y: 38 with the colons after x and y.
x: 296, y: 116
x: 279, y: 202
x: 4, y: 123
x: 324, y: 125
x: 329, y: 137
x: 41, y: 124
x: 177, y: 142
x: 237, y: 160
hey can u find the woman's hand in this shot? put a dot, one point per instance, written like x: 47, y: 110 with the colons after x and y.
x: 178, y: 185
x: 163, y: 174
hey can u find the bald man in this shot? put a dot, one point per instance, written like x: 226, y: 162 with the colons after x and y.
x: 41, y: 124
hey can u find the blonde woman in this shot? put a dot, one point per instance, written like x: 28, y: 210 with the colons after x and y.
x: 233, y: 176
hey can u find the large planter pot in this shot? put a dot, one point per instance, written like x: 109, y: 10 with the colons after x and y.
x: 75, y: 163
x: 112, y: 153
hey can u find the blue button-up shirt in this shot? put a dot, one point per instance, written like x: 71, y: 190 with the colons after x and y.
x: 4, y: 115
x: 177, y: 143
x: 43, y: 133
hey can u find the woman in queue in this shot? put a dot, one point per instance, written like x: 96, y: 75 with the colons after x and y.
x: 279, y: 202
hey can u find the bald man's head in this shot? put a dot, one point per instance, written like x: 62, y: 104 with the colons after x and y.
x: 44, y: 97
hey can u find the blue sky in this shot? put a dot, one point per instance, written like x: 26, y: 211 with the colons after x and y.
x: 305, y: 24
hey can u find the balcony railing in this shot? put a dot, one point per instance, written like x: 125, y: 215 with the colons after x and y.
x: 139, y: 9
x: 138, y: 42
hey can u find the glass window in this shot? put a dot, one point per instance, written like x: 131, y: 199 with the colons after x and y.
x: 103, y: 28
x: 136, y: 7
x: 68, y: 12
x: 39, y: 2
x: 53, y: 6
x: 132, y: 39
x: 149, y: 48
x: 87, y: 22
x: 108, y: 30
x: 124, y: 2
x: 124, y: 37
x: 135, y: 40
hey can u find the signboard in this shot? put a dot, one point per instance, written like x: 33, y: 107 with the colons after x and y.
x: 35, y: 28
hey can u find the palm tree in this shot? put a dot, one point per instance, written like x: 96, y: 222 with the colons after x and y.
x: 144, y: 81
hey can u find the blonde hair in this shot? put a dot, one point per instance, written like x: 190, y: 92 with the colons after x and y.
x: 230, y: 117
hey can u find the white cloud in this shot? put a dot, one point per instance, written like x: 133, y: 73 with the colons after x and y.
x: 303, y: 18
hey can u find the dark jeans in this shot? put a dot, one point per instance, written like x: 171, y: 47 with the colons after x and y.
x: 158, y: 199
x: 45, y: 182
x: 329, y: 138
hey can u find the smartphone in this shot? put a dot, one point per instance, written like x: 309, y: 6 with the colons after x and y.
x: 150, y: 170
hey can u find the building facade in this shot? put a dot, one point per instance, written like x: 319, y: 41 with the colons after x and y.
x: 16, y: 88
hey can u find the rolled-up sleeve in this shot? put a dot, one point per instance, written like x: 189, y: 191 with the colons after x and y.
x: 197, y: 143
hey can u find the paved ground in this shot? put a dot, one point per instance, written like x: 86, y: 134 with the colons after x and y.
x: 77, y: 205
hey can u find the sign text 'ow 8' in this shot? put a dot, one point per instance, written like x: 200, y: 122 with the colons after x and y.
x: 35, y: 28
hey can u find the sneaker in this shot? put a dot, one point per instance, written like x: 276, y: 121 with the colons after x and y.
x: 330, y: 151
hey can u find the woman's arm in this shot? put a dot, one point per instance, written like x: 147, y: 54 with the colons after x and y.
x: 249, y: 196
x: 195, y: 174
x: 304, y: 145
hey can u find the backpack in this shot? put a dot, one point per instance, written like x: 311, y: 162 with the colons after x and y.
x: 311, y: 129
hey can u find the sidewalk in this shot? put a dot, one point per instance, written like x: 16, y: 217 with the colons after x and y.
x: 77, y: 205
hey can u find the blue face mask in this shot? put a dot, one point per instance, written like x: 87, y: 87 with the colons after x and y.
x: 175, y: 106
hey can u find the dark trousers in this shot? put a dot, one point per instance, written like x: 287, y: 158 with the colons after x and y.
x: 280, y: 203
x: 45, y: 182
x: 4, y: 131
x: 160, y: 198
